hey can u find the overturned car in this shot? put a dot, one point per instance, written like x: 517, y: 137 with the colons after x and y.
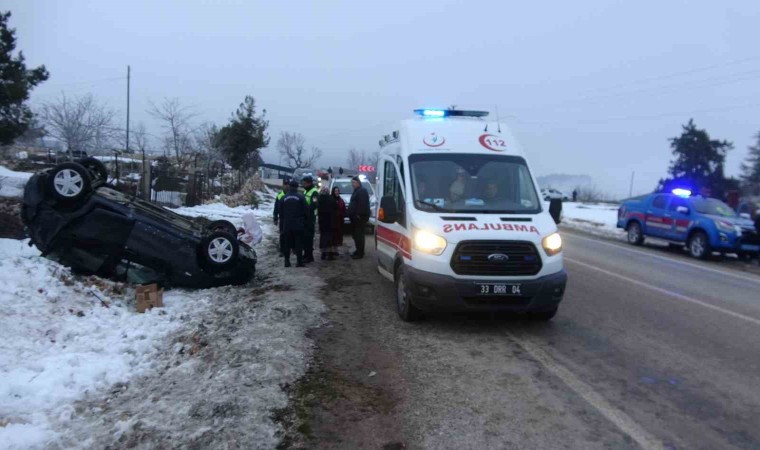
x: 75, y: 217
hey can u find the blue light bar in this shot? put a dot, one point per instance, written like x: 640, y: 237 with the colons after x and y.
x: 433, y: 113
x: 681, y: 192
x: 449, y: 113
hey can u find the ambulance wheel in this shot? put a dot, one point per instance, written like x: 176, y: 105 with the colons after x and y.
x: 544, y: 316
x: 699, y: 245
x: 222, y: 225
x: 219, y: 250
x: 635, y: 236
x: 406, y: 310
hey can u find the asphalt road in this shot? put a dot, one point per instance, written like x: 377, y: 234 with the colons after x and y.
x: 649, y: 350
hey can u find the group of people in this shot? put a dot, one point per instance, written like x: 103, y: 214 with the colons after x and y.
x: 298, y: 215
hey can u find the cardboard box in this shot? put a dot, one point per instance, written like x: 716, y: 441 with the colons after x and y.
x: 148, y: 296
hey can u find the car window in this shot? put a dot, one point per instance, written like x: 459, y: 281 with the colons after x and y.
x: 392, y: 188
x: 660, y: 202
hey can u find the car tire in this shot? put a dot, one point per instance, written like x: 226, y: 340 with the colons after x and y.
x: 219, y: 250
x: 222, y: 225
x: 68, y: 182
x: 699, y: 245
x: 544, y: 316
x: 635, y: 236
x: 96, y: 167
x: 404, y: 307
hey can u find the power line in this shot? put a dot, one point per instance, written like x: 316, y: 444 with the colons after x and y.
x: 102, y: 80
x: 654, y: 116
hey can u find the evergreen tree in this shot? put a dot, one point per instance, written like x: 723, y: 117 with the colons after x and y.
x: 15, y: 83
x: 699, y: 162
x: 751, y: 169
x: 241, y: 140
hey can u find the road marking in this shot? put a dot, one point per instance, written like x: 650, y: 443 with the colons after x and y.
x: 620, y: 419
x: 666, y: 292
x: 686, y: 263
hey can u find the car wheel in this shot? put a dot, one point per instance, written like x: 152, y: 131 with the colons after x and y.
x: 544, y: 316
x: 222, y: 225
x: 220, y: 250
x: 69, y: 182
x: 699, y: 245
x: 406, y: 310
x: 96, y: 167
x: 635, y: 236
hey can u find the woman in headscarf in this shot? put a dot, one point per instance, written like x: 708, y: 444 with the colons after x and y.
x: 327, y: 217
x: 341, y: 216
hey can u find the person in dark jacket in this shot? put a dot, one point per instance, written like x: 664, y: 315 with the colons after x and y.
x: 284, y: 190
x: 358, y: 212
x: 341, y: 213
x: 293, y: 216
x: 327, y: 218
x: 312, y: 195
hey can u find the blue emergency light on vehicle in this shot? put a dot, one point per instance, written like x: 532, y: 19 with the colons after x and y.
x: 438, y: 113
x: 681, y: 192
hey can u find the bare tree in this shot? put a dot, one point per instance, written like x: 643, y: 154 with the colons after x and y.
x: 292, y: 146
x: 175, y: 120
x: 81, y: 123
x: 356, y: 158
x: 140, y: 138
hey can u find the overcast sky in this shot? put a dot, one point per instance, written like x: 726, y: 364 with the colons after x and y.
x: 594, y: 87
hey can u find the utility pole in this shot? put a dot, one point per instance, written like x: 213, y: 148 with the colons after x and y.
x: 127, y: 147
x: 630, y: 191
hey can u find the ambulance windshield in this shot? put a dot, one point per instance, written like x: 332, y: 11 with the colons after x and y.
x: 486, y: 184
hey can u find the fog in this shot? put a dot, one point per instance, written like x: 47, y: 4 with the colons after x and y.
x: 595, y: 88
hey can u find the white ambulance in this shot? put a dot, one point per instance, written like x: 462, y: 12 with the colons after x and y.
x: 461, y: 225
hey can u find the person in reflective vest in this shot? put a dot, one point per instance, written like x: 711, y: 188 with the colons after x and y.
x: 312, y: 194
x: 278, y: 212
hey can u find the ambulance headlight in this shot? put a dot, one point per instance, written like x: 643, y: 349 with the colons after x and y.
x: 428, y: 242
x: 552, y: 244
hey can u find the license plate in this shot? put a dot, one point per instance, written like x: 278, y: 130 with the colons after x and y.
x: 500, y: 289
x: 751, y: 248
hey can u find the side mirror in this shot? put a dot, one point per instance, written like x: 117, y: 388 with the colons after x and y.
x: 388, y: 213
x: 682, y: 210
x: 555, y: 209
x: 745, y: 216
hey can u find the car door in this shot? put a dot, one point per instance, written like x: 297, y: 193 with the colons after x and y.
x: 392, y: 238
x: 659, y: 221
x: 681, y: 220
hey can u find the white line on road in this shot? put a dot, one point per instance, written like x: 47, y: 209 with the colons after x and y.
x: 666, y: 292
x: 620, y: 419
x: 685, y: 263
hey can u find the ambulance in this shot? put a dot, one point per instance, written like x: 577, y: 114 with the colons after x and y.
x: 461, y: 225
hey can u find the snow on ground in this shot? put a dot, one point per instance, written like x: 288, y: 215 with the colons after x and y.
x: 596, y: 218
x: 12, y: 183
x: 205, y: 371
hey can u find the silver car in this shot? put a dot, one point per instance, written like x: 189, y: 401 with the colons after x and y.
x: 344, y: 184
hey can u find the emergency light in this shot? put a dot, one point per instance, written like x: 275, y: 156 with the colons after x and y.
x: 681, y: 192
x: 449, y: 113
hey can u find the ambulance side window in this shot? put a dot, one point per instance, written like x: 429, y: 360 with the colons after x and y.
x: 392, y: 188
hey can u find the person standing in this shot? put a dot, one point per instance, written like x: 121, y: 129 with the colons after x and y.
x: 327, y: 218
x: 358, y: 212
x: 293, y: 217
x: 312, y: 197
x: 340, y: 211
x: 284, y: 190
x: 575, y: 195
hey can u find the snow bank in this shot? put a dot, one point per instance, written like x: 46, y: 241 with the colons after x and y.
x: 596, y: 218
x: 59, y: 343
x: 205, y: 371
x: 12, y: 183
